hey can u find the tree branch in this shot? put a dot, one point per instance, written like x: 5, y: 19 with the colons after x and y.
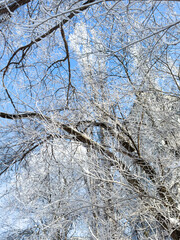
x: 85, y: 140
x: 11, y: 6
x: 26, y: 47
x: 126, y: 173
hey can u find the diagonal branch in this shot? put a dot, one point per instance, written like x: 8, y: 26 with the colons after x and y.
x: 87, y: 141
x: 11, y: 6
x: 81, y: 137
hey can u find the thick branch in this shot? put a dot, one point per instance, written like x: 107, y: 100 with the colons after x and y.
x: 17, y: 116
x: 11, y: 6
x: 130, y: 150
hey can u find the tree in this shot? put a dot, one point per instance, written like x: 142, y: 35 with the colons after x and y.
x: 90, y: 117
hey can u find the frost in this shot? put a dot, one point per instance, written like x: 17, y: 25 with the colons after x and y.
x: 174, y: 222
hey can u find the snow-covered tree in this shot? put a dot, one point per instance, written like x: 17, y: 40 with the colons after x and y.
x: 90, y: 119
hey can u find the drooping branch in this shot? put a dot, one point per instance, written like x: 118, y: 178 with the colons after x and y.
x: 68, y: 59
x: 81, y: 137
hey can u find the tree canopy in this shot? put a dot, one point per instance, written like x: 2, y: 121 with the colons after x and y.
x: 90, y: 119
